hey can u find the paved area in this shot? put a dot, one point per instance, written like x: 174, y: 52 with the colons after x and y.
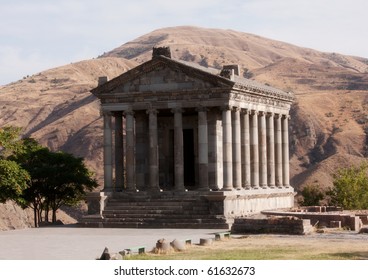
x: 74, y: 243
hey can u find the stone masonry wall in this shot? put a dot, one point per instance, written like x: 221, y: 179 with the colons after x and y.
x: 277, y: 225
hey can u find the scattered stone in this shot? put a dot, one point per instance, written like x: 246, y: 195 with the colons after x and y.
x: 116, y: 256
x: 205, y: 241
x: 125, y: 253
x: 162, y: 246
x: 105, y: 254
x: 178, y: 245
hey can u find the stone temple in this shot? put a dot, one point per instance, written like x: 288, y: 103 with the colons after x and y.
x: 190, y: 146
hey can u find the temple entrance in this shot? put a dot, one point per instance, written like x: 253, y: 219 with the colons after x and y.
x: 189, y: 161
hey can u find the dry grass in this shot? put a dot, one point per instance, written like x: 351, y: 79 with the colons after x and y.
x: 336, y: 246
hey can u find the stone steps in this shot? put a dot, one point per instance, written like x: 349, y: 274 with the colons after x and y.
x: 142, y: 211
x: 142, y: 208
x: 150, y: 203
x: 161, y: 220
x: 157, y: 215
x: 215, y: 225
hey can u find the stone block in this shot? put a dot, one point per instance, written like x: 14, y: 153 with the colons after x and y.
x: 205, y: 241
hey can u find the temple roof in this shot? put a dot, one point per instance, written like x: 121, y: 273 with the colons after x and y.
x: 210, y: 75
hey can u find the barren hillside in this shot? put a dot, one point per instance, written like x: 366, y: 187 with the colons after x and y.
x: 328, y: 127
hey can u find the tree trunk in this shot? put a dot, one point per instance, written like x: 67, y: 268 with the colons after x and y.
x: 54, y: 215
x: 47, y: 211
x: 35, y: 217
x: 39, y: 214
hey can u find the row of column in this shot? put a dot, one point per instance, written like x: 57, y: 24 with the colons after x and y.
x: 255, y: 149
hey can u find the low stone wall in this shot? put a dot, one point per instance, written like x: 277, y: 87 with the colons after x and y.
x: 323, y: 219
x: 276, y: 225
x: 238, y: 203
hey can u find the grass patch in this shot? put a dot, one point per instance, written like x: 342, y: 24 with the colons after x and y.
x: 263, y: 248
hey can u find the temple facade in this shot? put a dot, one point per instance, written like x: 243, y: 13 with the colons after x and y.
x: 173, y: 127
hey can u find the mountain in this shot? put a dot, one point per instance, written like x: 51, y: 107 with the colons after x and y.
x: 328, y: 124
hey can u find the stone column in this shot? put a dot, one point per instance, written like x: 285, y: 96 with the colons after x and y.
x: 278, y: 151
x: 245, y: 149
x: 227, y: 148
x: 270, y: 150
x: 285, y: 151
x: 141, y: 148
x: 107, y: 152
x: 119, y: 152
x: 130, y: 153
x: 203, y: 148
x: 262, y: 150
x: 237, y: 173
x: 215, y: 171
x: 254, y: 153
x: 178, y: 149
x: 153, y: 148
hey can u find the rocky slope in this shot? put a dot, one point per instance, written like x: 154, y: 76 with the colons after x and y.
x: 328, y: 126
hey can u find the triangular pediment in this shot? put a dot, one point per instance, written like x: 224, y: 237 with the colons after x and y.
x: 163, y: 75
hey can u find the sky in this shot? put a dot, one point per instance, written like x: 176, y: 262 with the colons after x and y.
x: 37, y: 35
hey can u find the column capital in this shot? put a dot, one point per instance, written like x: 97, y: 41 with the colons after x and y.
x: 261, y: 113
x: 270, y: 114
x: 235, y: 109
x: 244, y: 111
x: 129, y: 112
x: 253, y: 112
x: 177, y: 110
x: 226, y: 108
x: 277, y: 116
x: 151, y: 111
x: 286, y: 117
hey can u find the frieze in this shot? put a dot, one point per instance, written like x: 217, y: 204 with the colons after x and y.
x: 275, y: 94
x: 257, y: 100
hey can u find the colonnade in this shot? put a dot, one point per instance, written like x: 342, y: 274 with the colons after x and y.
x: 255, y: 149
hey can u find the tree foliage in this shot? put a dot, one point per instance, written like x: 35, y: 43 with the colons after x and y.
x: 311, y: 195
x: 35, y: 177
x: 350, y: 187
x: 9, y: 141
x: 13, y: 180
x: 57, y: 179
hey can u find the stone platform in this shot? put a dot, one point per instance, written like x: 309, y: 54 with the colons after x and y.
x: 186, y: 209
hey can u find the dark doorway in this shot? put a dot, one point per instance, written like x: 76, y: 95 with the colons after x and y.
x: 189, y: 171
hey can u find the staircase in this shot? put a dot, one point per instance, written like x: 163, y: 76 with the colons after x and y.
x: 147, y: 211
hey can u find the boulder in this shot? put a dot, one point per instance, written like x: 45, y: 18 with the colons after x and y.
x: 105, y: 254
x: 178, y: 245
x: 162, y: 246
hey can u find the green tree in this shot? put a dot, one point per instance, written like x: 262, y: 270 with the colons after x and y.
x: 13, y: 180
x: 311, y: 195
x: 9, y: 141
x: 57, y: 179
x: 350, y: 187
